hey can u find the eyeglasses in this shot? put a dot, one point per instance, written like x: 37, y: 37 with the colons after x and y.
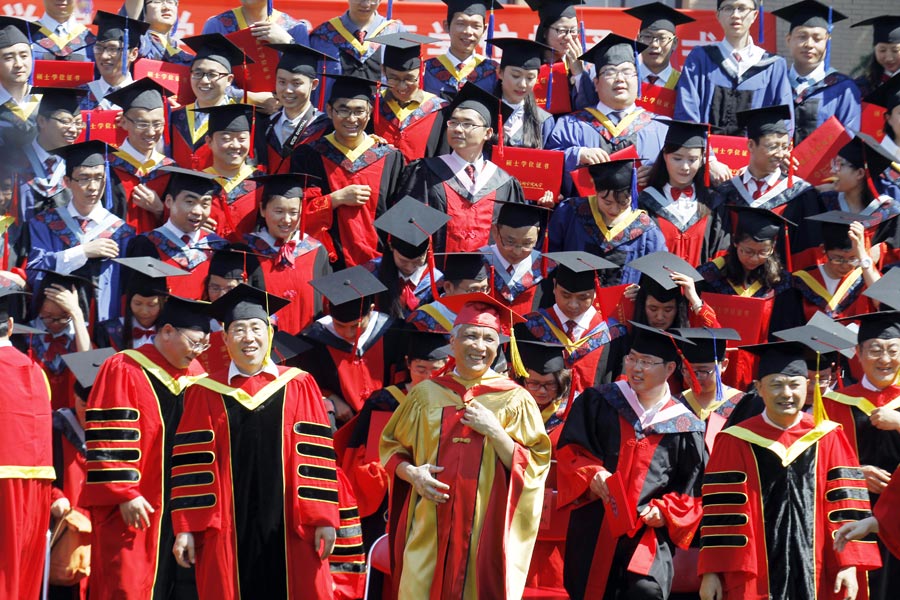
x: 194, y: 346
x: 564, y: 31
x: 836, y: 260
x: 875, y: 352
x: 748, y: 253
x: 69, y: 123
x: 240, y: 332
x: 145, y: 125
x: 163, y: 2
x: 465, y: 126
x: 740, y: 11
x: 219, y: 289
x: 506, y: 243
x: 212, y: 76
x: 346, y: 113
x: 839, y: 163
x: 700, y: 373
x: 662, y: 40
x: 101, y: 49
x: 614, y: 74
x: 642, y: 362
x: 56, y: 320
x: 86, y: 181
x: 396, y: 81
x: 534, y: 386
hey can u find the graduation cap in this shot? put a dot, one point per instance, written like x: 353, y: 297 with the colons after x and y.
x: 17, y: 31
x: 886, y: 291
x: 658, y: 16
x: 85, y: 366
x: 551, y: 11
x: 186, y: 180
x: 656, y: 271
x: 350, y: 292
x: 809, y: 13
x: 886, y: 95
x: 849, y: 335
x: 764, y: 121
x: 286, y: 346
x: 708, y: 346
x: 686, y: 134
x: 836, y: 227
x: 612, y: 175
x: 286, y: 185
x: 657, y: 342
x: 881, y: 325
x: 66, y: 280
x: 23, y: 329
x: 459, y: 266
x: 54, y: 99
x: 543, y: 358
x: 149, y: 277
x: 246, y: 302
x: 144, y: 93
x: 119, y: 28
x: 299, y: 59
x: 228, y: 117
x: 217, y: 48
x: 237, y: 261
x: 485, y: 311
x: 864, y: 152
x: 490, y: 108
x: 779, y: 358
x: 885, y: 29
x: 521, y: 214
x: 576, y: 271
x: 761, y: 224
x: 92, y: 153
x: 411, y: 223
x: 402, y: 50
x: 425, y: 345
x: 471, y: 7
x: 522, y: 53
x: 348, y: 87
x: 7, y: 294
x: 184, y: 313
x: 613, y: 50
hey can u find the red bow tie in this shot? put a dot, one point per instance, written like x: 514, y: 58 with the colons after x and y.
x: 687, y: 192
x: 138, y: 332
x: 286, y: 253
x: 56, y: 346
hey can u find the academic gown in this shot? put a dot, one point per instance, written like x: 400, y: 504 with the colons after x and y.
x: 433, y: 182
x: 127, y: 173
x: 478, y: 544
x: 235, y: 20
x: 577, y: 224
x: 38, y: 187
x: 517, y: 139
x: 772, y: 500
x: 374, y: 163
x: 888, y: 525
x: 434, y: 316
x: 523, y: 295
x: 48, y: 349
x: 26, y: 474
x: 441, y: 77
x: 253, y: 476
x: 235, y: 206
x: 133, y: 411
x: 331, y: 362
x: 416, y: 130
x: 187, y: 132
x: 156, y: 46
x: 699, y: 239
x: 161, y: 244
x: 835, y: 95
x: 391, y: 301
x: 275, y: 156
x: 287, y: 274
x: 79, y: 43
x: 847, y: 300
x: 710, y: 91
x: 18, y: 122
x: 659, y: 466
x: 851, y: 407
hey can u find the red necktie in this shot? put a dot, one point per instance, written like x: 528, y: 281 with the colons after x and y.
x: 760, y: 187
x: 186, y: 239
x: 361, y: 36
x: 652, y: 79
x: 50, y: 164
x: 737, y: 56
x: 83, y: 222
x: 470, y: 171
x: 687, y: 192
x: 138, y: 332
x: 570, y: 329
x: 510, y: 269
x: 408, y: 294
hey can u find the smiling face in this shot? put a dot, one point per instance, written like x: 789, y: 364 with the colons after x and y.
x: 847, y: 178
x: 516, y: 83
x: 293, y: 90
x: 474, y: 347
x: 784, y: 397
x: 108, y: 58
x: 888, y: 56
x: 61, y: 128
x: 573, y: 304
x: 646, y: 374
x: 188, y: 211
x: 478, y: 132
x: 880, y: 360
x: 349, y: 117
x: 180, y: 347
x: 769, y: 153
x: 282, y: 216
x: 616, y: 85
x: 752, y: 254
x: 560, y: 32
x: 143, y: 127
x: 213, y: 81
x: 15, y: 65
x: 465, y: 32
x: 247, y: 341
x: 229, y: 148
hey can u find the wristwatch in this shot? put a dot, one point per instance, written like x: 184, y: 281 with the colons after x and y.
x: 865, y: 263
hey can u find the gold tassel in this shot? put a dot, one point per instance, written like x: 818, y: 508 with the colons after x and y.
x: 516, y: 359
x: 819, y: 413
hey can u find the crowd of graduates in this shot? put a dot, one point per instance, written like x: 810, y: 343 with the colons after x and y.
x: 255, y: 338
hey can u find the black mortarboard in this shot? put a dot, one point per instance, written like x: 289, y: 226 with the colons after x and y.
x: 111, y: 28
x: 521, y: 53
x: 686, y: 134
x: 17, y: 31
x: 246, y: 302
x: 576, y: 271
x: 708, y: 343
x: 886, y: 291
x: 410, y: 223
x: 613, y: 50
x: 824, y: 322
x: 659, y: 16
x: 6, y: 295
x: 23, y: 329
x: 471, y: 7
x: 350, y: 292
x: 217, y: 48
x: 54, y: 99
x: 521, y: 214
x: 67, y: 280
x: 182, y: 180
x: 300, y: 59
x: 149, y: 275
x: 402, y: 50
x: 656, y: 269
x: 820, y: 339
x: 612, y: 174
x: 886, y: 95
x: 144, y: 93
x: 83, y: 154
x: 764, y: 121
x: 464, y: 265
x: 487, y: 105
x: 184, y: 313
x: 426, y: 345
x: 541, y: 357
x: 882, y: 325
x: 286, y: 346
x: 228, y: 117
x: 348, y: 87
x: 779, y: 358
x: 551, y: 11
x: 657, y: 342
x: 836, y: 227
x: 864, y: 152
x: 287, y: 185
x: 236, y: 261
x: 886, y: 29
x: 85, y: 366
x: 809, y: 13
x: 761, y: 224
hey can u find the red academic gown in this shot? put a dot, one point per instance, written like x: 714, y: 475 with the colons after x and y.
x: 888, y: 523
x: 253, y: 476
x: 523, y: 295
x: 235, y: 206
x: 189, y: 149
x: 127, y: 173
x: 160, y: 244
x: 416, y: 130
x: 847, y: 300
x: 698, y: 240
x: 133, y: 411
x: 26, y: 474
x: 275, y: 156
x: 759, y: 529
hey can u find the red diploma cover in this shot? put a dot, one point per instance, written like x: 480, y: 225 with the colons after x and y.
x: 260, y: 75
x: 173, y: 77
x: 581, y: 177
x: 608, y: 300
x: 560, y: 103
x: 872, y: 120
x: 620, y: 510
x: 101, y: 125
x: 63, y: 73
x: 657, y: 99
x: 750, y: 318
x: 814, y: 154
x: 538, y: 171
x: 731, y: 150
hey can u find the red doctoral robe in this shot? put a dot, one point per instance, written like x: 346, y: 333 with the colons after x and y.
x: 127, y: 173
x: 236, y: 205
x: 415, y: 130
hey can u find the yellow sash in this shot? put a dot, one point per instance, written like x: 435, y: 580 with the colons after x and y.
x: 615, y: 130
x: 248, y: 401
x: 347, y: 35
x: 739, y: 289
x: 429, y: 309
x: 466, y: 70
x: 398, y: 394
x: 703, y: 413
x: 142, y: 168
x: 17, y: 472
x: 559, y: 334
x: 62, y: 42
x: 351, y: 154
x: 176, y: 386
x: 196, y: 133
x: 672, y: 81
x: 5, y: 222
x: 787, y: 455
x: 619, y: 227
x: 403, y: 112
x: 24, y: 111
x: 229, y: 184
x: 819, y: 289
x: 164, y: 40
x: 863, y: 404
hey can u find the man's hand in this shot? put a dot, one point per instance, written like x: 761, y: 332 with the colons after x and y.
x: 144, y: 197
x: 876, y: 479
x: 210, y: 224
x: 342, y: 410
x: 136, y: 513
x: 885, y: 419
x: 548, y: 200
x: 653, y: 517
x: 592, y: 156
x: 711, y: 587
x: 598, y: 484
x: 101, y: 248
x: 59, y: 508
x: 846, y: 579
x: 719, y: 173
x: 271, y: 32
x: 854, y: 530
x: 185, y: 554
x: 324, y: 541
x: 481, y: 419
x: 631, y: 291
x: 352, y: 195
x: 643, y: 175
x: 425, y: 485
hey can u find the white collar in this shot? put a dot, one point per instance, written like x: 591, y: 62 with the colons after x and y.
x: 170, y: 227
x: 41, y: 154
x: 583, y: 321
x: 777, y: 426
x: 328, y: 323
x: 646, y: 416
x: 5, y: 343
x: 519, y: 269
x: 815, y: 76
x: 460, y: 163
x: 606, y: 109
x: 51, y: 23
x: 268, y: 238
x: 518, y: 106
x: 663, y: 75
x: 103, y: 86
x: 456, y: 60
x: 97, y: 214
x: 867, y: 384
x: 416, y: 276
x: 134, y: 153
x: 268, y: 368
x: 745, y: 52
x: 5, y: 97
x: 771, y: 179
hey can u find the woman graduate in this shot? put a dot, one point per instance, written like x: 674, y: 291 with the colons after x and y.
x: 884, y: 62
x: 529, y: 126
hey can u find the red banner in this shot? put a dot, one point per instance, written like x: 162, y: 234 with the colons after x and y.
x: 102, y: 125
x: 538, y: 171
x: 175, y: 78
x: 657, y: 99
x: 731, y: 150
x: 814, y: 154
x: 62, y: 73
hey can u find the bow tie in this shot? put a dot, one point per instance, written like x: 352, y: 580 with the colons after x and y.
x: 57, y: 345
x: 286, y: 253
x: 138, y: 332
x: 687, y: 192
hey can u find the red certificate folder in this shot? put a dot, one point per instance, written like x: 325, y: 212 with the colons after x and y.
x: 538, y: 171
x: 657, y: 99
x: 101, y: 125
x: 175, y: 78
x: 730, y: 150
x: 814, y: 154
x: 260, y: 75
x: 560, y: 103
x: 581, y: 177
x: 620, y: 510
x: 63, y: 73
x: 872, y: 120
x: 750, y: 318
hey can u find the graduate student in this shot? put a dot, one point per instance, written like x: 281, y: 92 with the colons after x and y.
x: 113, y: 67
x: 884, y: 62
x: 159, y: 42
x: 658, y: 32
x: 60, y: 34
x: 18, y: 116
x: 529, y: 126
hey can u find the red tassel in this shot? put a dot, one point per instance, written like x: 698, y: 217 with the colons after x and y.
x: 377, y: 105
x: 597, y: 289
x: 252, y: 132
x: 434, y: 288
x: 788, y: 260
x: 322, y: 89
x: 246, y: 79
x: 244, y: 277
x: 706, y: 166
x: 545, y: 247
x: 492, y: 281
x: 695, y: 383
